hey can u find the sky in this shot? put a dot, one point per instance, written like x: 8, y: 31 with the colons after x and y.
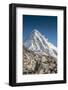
x: 47, y: 25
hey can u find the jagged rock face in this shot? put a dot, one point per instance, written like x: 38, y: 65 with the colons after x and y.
x: 34, y: 63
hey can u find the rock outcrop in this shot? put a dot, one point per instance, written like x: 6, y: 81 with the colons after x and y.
x: 34, y: 63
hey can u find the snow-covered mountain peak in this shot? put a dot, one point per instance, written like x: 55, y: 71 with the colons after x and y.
x: 35, y: 32
x: 39, y: 44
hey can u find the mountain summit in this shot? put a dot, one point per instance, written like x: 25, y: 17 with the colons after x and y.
x: 39, y: 44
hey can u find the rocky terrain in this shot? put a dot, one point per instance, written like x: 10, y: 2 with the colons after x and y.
x: 34, y: 63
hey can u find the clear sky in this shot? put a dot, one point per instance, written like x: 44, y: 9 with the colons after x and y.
x: 47, y: 25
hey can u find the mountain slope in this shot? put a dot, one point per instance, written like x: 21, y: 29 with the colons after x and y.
x: 39, y: 44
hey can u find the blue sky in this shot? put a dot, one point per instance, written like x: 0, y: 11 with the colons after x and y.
x: 47, y: 25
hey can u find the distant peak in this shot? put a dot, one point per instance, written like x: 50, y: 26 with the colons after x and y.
x: 35, y: 31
